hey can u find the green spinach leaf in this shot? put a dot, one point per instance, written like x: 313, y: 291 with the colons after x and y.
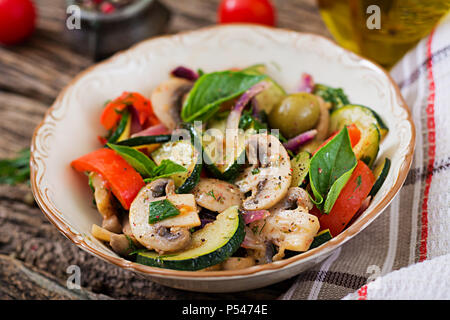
x: 330, y: 169
x: 160, y: 210
x: 212, y: 89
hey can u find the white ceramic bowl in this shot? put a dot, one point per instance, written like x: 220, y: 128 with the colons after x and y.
x: 71, y: 126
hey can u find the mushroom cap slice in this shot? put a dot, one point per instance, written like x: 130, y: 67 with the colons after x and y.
x: 289, y: 225
x: 269, y: 176
x: 162, y: 236
x: 217, y: 195
x: 167, y: 100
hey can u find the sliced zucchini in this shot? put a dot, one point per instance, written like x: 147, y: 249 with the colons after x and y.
x: 300, y: 168
x: 321, y: 238
x: 145, y: 140
x: 122, y: 131
x: 369, y: 125
x: 211, y: 245
x: 222, y: 162
x: 183, y: 153
x: 270, y: 97
x: 368, y: 146
x: 380, y: 172
x: 353, y: 113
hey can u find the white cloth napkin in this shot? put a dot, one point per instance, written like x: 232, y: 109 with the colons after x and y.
x: 423, y: 76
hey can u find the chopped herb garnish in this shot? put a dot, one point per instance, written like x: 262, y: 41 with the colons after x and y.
x: 211, y: 194
x: 160, y: 210
x: 358, y: 182
x: 255, y: 171
x: 262, y: 227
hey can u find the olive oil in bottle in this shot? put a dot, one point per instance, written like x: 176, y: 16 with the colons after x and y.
x: 402, y: 23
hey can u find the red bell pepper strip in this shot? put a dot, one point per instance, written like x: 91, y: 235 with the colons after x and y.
x: 124, y: 181
x: 353, y: 132
x: 111, y: 113
x: 349, y: 200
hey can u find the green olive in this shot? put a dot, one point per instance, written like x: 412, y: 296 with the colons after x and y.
x: 295, y: 114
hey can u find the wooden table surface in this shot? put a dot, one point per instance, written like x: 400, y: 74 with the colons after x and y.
x: 34, y: 256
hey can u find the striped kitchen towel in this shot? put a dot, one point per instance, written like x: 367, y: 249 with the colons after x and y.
x: 405, y: 252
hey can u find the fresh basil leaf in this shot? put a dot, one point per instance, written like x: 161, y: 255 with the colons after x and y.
x: 160, y: 210
x: 143, y: 164
x: 330, y: 169
x: 212, y: 89
x: 165, y: 169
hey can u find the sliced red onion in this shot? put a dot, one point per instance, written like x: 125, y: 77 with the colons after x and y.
x: 306, y: 83
x: 235, y: 114
x: 294, y: 143
x: 252, y: 216
x: 152, y: 131
x: 135, y: 123
x: 255, y: 109
x: 205, y: 221
x: 185, y: 73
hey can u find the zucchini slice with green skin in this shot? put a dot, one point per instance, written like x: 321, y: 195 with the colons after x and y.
x: 368, y: 146
x: 270, y: 97
x: 211, y: 245
x: 300, y: 168
x: 321, y: 238
x: 123, y: 128
x: 369, y: 125
x: 145, y: 140
x: 185, y: 154
x: 229, y: 165
x: 380, y: 172
x: 354, y: 113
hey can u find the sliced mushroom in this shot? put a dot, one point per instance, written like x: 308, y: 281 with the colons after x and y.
x: 217, y: 195
x: 120, y: 244
x: 289, y: 226
x: 237, y: 263
x: 105, y: 203
x: 257, y: 246
x: 296, y: 197
x: 324, y: 120
x: 269, y: 177
x: 158, y: 236
x: 167, y: 100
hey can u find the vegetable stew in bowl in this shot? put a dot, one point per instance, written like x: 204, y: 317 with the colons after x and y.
x: 226, y: 170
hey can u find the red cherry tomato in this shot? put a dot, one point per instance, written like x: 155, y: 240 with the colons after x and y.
x: 17, y: 20
x: 250, y: 11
